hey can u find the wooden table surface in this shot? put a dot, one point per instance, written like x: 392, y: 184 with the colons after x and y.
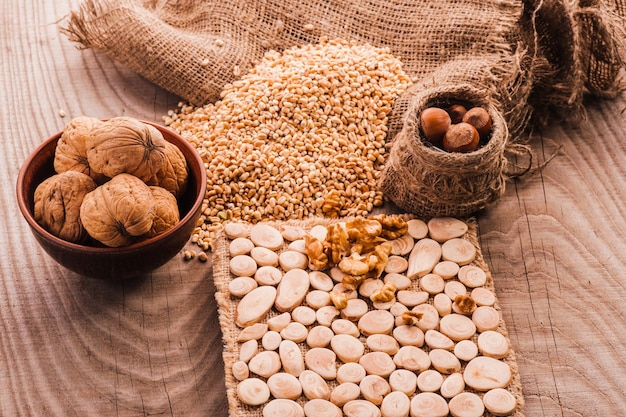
x: 72, y: 346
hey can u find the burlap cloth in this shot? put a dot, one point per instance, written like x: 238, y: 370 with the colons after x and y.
x: 227, y: 306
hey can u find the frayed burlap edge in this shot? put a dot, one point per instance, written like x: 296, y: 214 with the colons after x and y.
x: 227, y: 306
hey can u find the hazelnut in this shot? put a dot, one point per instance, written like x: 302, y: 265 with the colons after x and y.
x: 456, y: 112
x: 461, y: 137
x: 435, y: 122
x: 480, y: 119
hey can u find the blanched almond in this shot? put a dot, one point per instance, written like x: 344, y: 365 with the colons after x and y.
x: 454, y: 288
x: 313, y: 385
x: 291, y: 233
x: 248, y: 349
x: 457, y: 327
x: 411, y: 298
x: 350, y: 372
x: 423, y: 257
x: 267, y: 236
x: 321, y: 408
x: 412, y: 358
x: 429, y: 381
x: 360, y: 408
x: 291, y: 357
x: 343, y: 393
x: 402, y: 282
x: 370, y: 286
x: 291, y: 259
x: 254, y: 306
x: 428, y: 404
x: 452, y: 385
x: 319, y: 231
x: 466, y: 404
x: 336, y: 274
x: 240, y: 370
x: 271, y: 340
x: 377, y: 363
x: 296, y: 332
x: 493, y: 344
x: 395, y: 404
x: 466, y: 350
x: 343, y: 326
x: 409, y: 335
x: 268, y: 275
x: 418, y: 229
x: 376, y: 322
x: 397, y: 309
x: 298, y: 245
x: 235, y: 230
x: 241, y: 286
x: 303, y: 315
x: 325, y: 315
x: 499, y: 402
x: 282, y: 408
x: 486, y: 318
x: 279, y: 322
x: 240, y: 246
x: 347, y: 348
x: 472, y: 276
x: 284, y: 385
x: 322, y: 361
x: 444, y: 361
x: 243, y: 266
x: 483, y: 374
x: 404, y: 381
x: 253, y: 391
x: 319, y: 336
x: 458, y: 250
x: 264, y: 256
x: 321, y: 281
x: 265, y: 363
x: 254, y: 332
x: 382, y: 343
x: 291, y: 290
x: 446, y: 228
x: 437, y: 340
x: 355, y: 309
x: 446, y: 269
x: 429, y: 316
x: 374, y: 388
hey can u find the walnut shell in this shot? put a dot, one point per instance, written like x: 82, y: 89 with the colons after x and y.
x: 71, y: 150
x: 119, y: 211
x: 126, y: 145
x: 173, y: 173
x: 166, y: 211
x: 57, y: 204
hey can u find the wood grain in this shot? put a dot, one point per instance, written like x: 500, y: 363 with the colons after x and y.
x: 69, y: 346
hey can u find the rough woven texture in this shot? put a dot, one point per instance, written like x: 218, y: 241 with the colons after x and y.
x: 227, y: 306
x: 525, y: 57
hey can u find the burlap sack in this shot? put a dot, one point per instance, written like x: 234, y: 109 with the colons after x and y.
x: 528, y: 58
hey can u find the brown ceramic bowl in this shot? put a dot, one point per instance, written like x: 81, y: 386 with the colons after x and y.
x: 113, y: 263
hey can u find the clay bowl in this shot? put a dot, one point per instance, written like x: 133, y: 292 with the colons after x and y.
x: 113, y: 263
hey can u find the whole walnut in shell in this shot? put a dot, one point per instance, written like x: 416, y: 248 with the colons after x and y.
x: 173, y: 173
x: 119, y: 211
x: 126, y: 145
x: 71, y: 149
x: 57, y: 204
x: 166, y: 211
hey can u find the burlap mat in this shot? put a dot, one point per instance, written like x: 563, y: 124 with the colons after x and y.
x: 227, y: 306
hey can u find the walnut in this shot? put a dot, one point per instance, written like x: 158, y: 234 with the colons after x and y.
x: 339, y: 299
x: 126, y: 145
x: 393, y: 227
x: 352, y: 282
x: 377, y: 259
x: 57, y: 204
x: 354, y: 264
x: 331, y: 206
x: 166, y: 211
x: 411, y: 317
x: 385, y: 293
x: 338, y: 243
x: 361, y: 228
x: 465, y: 303
x: 173, y: 173
x: 71, y: 150
x: 119, y: 211
x: 315, y: 251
